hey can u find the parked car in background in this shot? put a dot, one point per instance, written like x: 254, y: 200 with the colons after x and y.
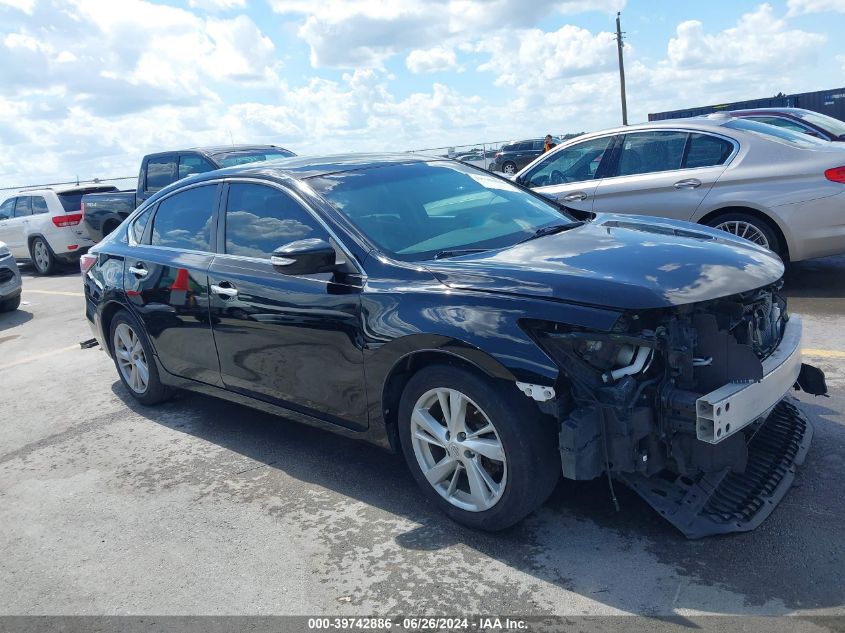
x: 10, y: 281
x: 778, y: 188
x: 104, y: 212
x: 437, y: 309
x: 479, y: 158
x: 44, y: 225
x: 798, y: 120
x: 514, y: 156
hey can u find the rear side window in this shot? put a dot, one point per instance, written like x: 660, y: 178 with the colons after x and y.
x: 7, y: 208
x: 39, y: 205
x: 706, y: 151
x: 773, y: 133
x: 649, y: 152
x: 184, y: 220
x: 260, y: 219
x: 190, y: 164
x: 161, y: 171
x: 22, y: 207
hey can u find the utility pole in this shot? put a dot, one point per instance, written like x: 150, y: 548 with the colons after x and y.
x: 619, y: 46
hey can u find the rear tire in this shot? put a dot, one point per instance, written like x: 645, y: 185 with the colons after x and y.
x: 486, y: 480
x: 42, y: 256
x: 10, y: 304
x: 109, y: 227
x: 749, y: 227
x: 134, y: 360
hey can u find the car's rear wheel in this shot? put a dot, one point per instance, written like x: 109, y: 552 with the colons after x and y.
x: 509, y: 167
x: 133, y: 358
x: 10, y: 304
x: 485, y: 459
x: 42, y: 256
x: 748, y: 227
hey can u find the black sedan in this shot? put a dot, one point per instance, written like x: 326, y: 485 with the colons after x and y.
x: 440, y: 310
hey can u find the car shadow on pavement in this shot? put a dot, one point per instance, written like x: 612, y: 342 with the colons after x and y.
x: 13, y: 319
x: 816, y: 278
x: 577, y: 541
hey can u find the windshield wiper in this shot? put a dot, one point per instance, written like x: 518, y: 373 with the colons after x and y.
x: 551, y: 230
x: 458, y: 251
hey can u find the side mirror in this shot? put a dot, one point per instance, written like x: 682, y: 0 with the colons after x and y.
x: 304, y: 257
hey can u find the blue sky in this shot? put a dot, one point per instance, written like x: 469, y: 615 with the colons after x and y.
x: 89, y: 86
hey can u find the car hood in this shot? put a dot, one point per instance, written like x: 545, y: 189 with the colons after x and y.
x: 622, y: 262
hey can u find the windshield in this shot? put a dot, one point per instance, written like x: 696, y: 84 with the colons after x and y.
x: 251, y: 156
x: 828, y: 123
x: 415, y: 211
x: 775, y: 133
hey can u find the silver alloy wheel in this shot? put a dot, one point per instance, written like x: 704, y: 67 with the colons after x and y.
x: 745, y: 230
x: 458, y: 449
x: 509, y: 168
x: 42, y: 255
x: 131, y: 359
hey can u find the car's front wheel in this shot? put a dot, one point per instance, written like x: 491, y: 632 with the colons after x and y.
x: 10, y: 304
x: 133, y: 358
x: 42, y: 256
x: 485, y: 458
x: 509, y: 168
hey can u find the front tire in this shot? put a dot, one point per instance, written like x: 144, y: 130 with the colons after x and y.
x: 133, y: 358
x: 10, y: 305
x: 486, y: 458
x: 509, y: 168
x: 42, y: 256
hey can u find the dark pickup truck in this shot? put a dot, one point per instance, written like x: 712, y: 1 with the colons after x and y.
x: 104, y: 212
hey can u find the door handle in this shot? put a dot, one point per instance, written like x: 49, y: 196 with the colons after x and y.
x: 138, y: 270
x: 227, y: 292
x: 689, y: 183
x: 576, y: 196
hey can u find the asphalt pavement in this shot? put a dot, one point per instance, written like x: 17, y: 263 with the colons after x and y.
x: 199, y: 506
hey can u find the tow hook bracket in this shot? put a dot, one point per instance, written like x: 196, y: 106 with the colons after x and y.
x: 540, y: 393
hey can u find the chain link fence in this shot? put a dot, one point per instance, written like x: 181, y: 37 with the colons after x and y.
x: 478, y: 154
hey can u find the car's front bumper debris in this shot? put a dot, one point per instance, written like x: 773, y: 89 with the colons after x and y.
x: 726, y: 501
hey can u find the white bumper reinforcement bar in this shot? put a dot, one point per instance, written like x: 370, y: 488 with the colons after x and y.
x: 730, y: 408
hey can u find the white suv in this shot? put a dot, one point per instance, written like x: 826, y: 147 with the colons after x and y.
x: 44, y: 225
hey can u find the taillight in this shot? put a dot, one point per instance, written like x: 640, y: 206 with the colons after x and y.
x: 86, y: 261
x: 836, y: 174
x: 68, y: 219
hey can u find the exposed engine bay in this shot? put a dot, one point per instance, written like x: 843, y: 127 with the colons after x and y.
x: 676, y: 396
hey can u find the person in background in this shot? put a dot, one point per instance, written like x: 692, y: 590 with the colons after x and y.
x: 549, y: 144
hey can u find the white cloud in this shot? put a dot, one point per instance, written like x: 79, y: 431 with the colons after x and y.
x: 217, y: 5
x: 431, y: 60
x: 531, y: 58
x: 801, y: 7
x: 21, y: 5
x: 759, y: 38
x: 354, y: 33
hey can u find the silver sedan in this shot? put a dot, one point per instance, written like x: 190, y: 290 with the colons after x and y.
x: 778, y: 188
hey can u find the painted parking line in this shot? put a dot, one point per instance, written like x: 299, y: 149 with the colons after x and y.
x: 60, y: 293
x: 29, y: 359
x: 822, y: 353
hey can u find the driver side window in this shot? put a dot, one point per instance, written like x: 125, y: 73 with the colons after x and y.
x: 575, y: 163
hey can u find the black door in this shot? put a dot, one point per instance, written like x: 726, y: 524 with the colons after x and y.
x: 166, y: 282
x: 290, y: 340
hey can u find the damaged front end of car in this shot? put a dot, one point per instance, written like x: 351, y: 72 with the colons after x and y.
x: 688, y: 406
